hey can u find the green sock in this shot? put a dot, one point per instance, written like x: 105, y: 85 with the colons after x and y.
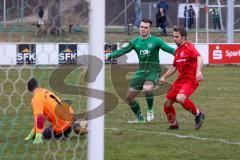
x: 149, y: 98
x: 135, y: 107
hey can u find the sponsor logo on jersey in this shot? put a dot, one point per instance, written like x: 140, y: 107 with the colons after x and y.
x: 181, y: 60
x: 150, y: 45
x: 26, y: 54
x: 144, y: 52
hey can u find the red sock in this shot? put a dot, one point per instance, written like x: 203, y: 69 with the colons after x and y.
x: 170, y: 113
x: 190, y: 106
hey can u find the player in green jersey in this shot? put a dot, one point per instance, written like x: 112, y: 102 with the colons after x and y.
x: 147, y: 48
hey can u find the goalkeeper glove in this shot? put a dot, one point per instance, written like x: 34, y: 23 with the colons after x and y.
x: 30, y: 136
x: 38, y: 139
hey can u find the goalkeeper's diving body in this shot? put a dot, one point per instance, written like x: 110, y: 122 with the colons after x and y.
x: 44, y: 106
x: 147, y: 48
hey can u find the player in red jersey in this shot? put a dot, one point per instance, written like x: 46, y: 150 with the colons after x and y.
x: 188, y: 62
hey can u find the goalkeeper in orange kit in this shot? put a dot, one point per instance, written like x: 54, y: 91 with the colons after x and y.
x: 47, y: 106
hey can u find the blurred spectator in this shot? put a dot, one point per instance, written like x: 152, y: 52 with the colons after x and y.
x: 216, y: 17
x: 185, y: 17
x: 40, y: 16
x: 161, y: 16
x: 138, y: 13
x: 191, y: 14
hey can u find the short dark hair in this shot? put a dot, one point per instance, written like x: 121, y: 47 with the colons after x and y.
x: 182, y: 31
x: 146, y: 20
x: 32, y: 84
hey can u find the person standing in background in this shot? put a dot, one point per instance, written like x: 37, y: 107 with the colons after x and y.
x: 40, y: 16
x: 138, y: 13
x: 185, y: 13
x: 161, y: 16
x: 216, y: 18
x: 191, y: 16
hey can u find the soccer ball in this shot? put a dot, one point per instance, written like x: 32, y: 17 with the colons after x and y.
x: 80, y: 127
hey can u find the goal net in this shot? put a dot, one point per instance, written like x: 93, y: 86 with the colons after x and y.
x: 42, y: 39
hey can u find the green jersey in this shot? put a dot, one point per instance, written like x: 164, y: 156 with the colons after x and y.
x: 147, y: 51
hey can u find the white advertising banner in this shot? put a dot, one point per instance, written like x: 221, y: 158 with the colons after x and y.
x: 8, y: 52
x: 49, y: 53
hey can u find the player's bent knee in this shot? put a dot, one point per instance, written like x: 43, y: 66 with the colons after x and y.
x: 148, y: 86
x: 181, y: 98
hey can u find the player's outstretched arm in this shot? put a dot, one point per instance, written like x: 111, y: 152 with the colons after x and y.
x: 121, y: 51
x: 169, y: 72
x: 165, y: 47
x: 199, y: 75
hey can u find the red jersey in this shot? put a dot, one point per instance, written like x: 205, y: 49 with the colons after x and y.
x: 185, y: 60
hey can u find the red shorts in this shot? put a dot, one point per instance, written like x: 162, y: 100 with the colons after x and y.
x: 180, y: 88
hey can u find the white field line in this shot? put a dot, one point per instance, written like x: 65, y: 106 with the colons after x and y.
x: 179, y: 136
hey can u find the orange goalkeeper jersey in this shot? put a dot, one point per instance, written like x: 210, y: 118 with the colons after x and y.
x: 45, y: 105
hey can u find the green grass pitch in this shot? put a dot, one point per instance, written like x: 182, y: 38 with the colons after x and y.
x: 218, y: 96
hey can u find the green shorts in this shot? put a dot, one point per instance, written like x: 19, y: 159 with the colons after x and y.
x: 140, y: 77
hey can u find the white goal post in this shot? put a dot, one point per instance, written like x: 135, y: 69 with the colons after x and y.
x: 96, y: 43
